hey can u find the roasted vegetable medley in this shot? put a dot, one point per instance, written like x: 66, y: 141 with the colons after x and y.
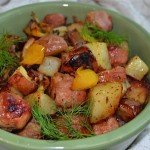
x: 69, y: 80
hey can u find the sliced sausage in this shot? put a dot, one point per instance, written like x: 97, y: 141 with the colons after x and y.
x: 75, y: 38
x: 117, y: 55
x: 14, y: 111
x: 101, y: 19
x: 138, y: 91
x: 22, y: 84
x: 117, y: 74
x: 31, y: 130
x: 60, y: 91
x: 105, y: 126
x: 76, y: 58
x: 55, y: 20
x: 53, y: 44
x: 128, y: 109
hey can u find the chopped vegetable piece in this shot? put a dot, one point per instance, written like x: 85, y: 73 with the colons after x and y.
x: 100, y: 51
x: 61, y: 31
x: 136, y: 68
x: 84, y: 79
x: 44, y: 102
x: 103, y: 100
x: 34, y: 55
x: 36, y: 28
x: 29, y: 42
x: 50, y: 65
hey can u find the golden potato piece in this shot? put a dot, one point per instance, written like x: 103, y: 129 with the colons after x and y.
x: 44, y: 102
x: 104, y: 99
x: 100, y: 51
x: 136, y: 68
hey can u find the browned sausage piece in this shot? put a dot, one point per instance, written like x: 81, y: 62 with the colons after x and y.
x: 22, y: 84
x: 55, y: 20
x: 53, y: 44
x: 14, y: 111
x: 128, y: 109
x: 75, y: 38
x: 80, y: 56
x: 101, y: 19
x: 31, y: 130
x: 60, y: 91
x: 105, y: 126
x: 117, y: 74
x: 138, y: 91
x: 117, y: 55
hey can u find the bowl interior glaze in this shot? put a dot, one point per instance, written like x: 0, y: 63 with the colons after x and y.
x: 15, y: 20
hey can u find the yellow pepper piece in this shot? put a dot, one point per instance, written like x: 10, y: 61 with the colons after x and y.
x: 84, y: 79
x: 34, y: 55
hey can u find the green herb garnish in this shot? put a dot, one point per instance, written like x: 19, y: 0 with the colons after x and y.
x: 51, y: 126
x: 7, y: 57
x: 92, y: 33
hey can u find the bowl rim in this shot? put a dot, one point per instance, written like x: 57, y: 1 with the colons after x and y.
x: 142, y: 120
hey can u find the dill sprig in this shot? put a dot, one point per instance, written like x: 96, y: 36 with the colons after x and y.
x: 47, y: 125
x: 51, y: 126
x: 6, y: 59
x: 92, y: 33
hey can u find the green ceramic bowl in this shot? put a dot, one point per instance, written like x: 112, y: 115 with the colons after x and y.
x: 13, y: 22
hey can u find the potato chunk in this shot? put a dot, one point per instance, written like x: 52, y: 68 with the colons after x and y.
x: 44, y: 102
x: 100, y: 51
x: 104, y: 99
x: 136, y: 68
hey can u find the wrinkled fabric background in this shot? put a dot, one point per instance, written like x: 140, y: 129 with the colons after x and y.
x: 137, y: 10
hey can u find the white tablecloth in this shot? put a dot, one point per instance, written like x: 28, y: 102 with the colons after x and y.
x: 137, y: 10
